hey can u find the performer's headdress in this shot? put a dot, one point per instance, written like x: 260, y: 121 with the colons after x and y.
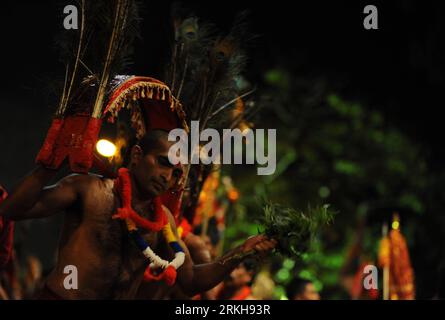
x: 92, y: 56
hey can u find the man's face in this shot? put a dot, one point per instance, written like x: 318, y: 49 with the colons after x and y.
x: 153, y: 173
x: 309, y: 293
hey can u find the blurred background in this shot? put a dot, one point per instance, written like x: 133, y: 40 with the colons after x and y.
x: 357, y: 114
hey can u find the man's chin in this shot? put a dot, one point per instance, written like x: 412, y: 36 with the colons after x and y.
x: 154, y: 192
x: 150, y: 193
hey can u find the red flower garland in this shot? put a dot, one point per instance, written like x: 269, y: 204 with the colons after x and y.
x: 123, y: 185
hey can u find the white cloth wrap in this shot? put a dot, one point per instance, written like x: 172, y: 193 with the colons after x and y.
x: 178, y: 261
x: 156, y: 261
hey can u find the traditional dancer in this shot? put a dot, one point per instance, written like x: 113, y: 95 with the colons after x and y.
x: 117, y: 231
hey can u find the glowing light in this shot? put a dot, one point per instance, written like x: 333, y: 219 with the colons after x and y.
x: 233, y: 195
x: 106, y: 148
x: 395, y: 221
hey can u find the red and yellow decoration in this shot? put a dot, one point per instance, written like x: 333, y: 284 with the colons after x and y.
x: 154, y: 96
x: 394, y: 256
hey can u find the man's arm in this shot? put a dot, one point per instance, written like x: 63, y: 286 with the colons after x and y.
x: 32, y: 200
x: 202, y: 277
x: 194, y: 279
x: 197, y: 248
x: 200, y: 254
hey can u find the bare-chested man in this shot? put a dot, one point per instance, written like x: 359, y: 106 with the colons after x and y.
x: 109, y: 265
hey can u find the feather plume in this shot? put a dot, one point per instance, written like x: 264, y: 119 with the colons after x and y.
x: 205, y: 66
x: 98, y: 50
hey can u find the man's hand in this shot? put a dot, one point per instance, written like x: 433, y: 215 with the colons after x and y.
x: 194, y: 279
x: 260, y: 243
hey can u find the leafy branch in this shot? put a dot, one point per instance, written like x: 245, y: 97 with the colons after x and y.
x: 293, y: 229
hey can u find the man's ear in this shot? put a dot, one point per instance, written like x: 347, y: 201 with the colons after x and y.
x: 136, y: 154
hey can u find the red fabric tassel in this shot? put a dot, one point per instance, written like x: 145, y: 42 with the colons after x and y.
x: 45, y: 154
x: 149, y: 276
x: 168, y: 275
x: 73, y: 137
x: 81, y: 160
x: 125, y: 85
x: 6, y: 235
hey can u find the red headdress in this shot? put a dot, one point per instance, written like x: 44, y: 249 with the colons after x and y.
x: 77, y: 121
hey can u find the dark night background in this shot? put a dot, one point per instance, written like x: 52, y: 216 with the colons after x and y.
x: 398, y: 69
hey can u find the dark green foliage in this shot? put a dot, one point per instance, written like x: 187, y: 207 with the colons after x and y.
x: 294, y: 229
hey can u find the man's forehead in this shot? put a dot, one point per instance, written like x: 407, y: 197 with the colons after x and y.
x: 164, y: 142
x: 161, y: 146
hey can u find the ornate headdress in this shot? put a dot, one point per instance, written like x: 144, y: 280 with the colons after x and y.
x: 92, y: 55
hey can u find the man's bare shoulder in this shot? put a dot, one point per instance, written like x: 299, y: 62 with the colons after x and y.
x: 86, y: 182
x: 195, y: 242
